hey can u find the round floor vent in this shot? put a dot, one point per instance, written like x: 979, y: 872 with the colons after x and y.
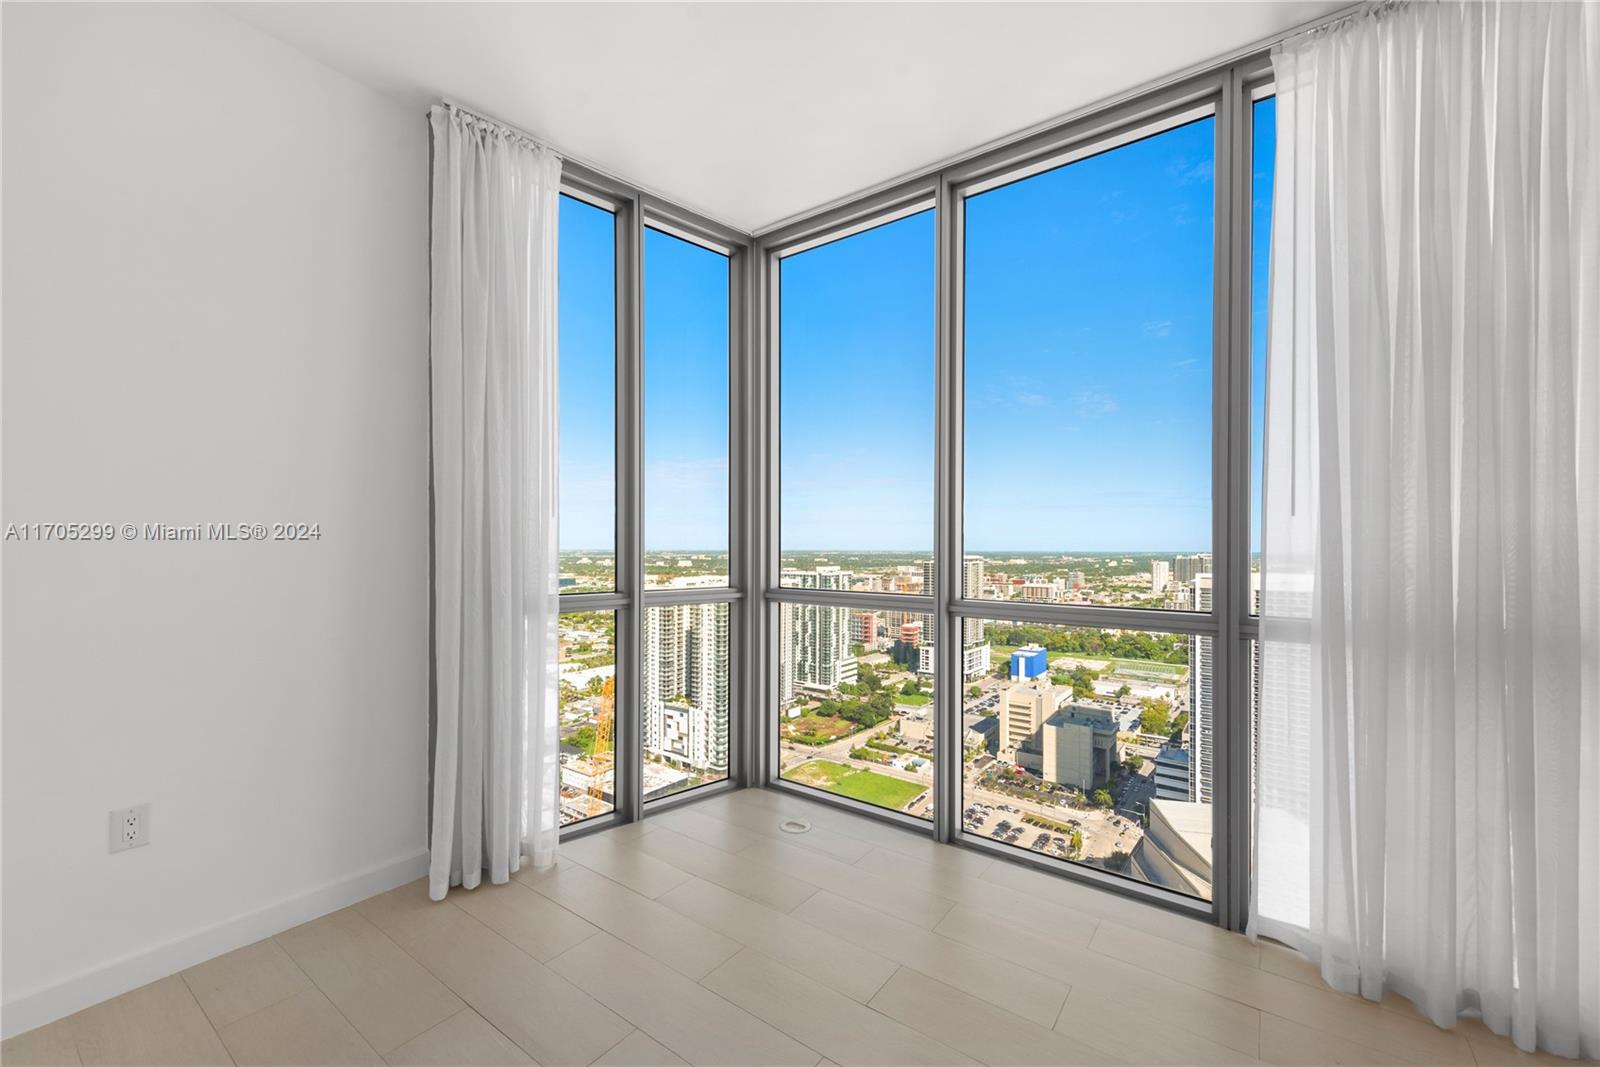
x: 794, y: 826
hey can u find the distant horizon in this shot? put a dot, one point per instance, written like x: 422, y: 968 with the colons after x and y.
x: 986, y: 552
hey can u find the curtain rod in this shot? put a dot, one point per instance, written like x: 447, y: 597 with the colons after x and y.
x: 544, y: 142
x: 1155, y: 85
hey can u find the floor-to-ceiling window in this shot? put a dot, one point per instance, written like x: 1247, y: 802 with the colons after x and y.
x: 687, y: 644
x: 649, y: 635
x: 1087, y: 433
x: 855, y: 641
x: 1083, y: 462
x: 588, y: 502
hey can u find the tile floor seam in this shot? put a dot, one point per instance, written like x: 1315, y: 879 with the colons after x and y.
x: 747, y: 1011
x: 1348, y: 1040
x: 619, y: 1040
x: 468, y: 1005
x: 333, y: 1004
x: 382, y: 1054
x: 617, y: 881
x: 1229, y: 994
x: 184, y: 974
x: 739, y: 1007
x: 217, y: 1033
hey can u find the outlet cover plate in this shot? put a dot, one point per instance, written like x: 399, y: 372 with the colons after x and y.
x: 130, y: 827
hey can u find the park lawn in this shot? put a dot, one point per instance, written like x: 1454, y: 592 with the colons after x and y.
x: 914, y: 700
x: 867, y: 786
x: 818, y: 729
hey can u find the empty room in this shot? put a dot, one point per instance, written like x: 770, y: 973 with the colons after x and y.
x: 832, y: 534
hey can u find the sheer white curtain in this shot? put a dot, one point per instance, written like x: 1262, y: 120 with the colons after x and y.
x: 1428, y: 799
x: 495, y: 770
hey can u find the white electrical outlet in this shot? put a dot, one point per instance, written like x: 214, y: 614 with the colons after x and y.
x: 130, y: 827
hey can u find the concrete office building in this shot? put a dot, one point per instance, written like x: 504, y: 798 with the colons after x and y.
x: 1022, y: 711
x: 1078, y: 746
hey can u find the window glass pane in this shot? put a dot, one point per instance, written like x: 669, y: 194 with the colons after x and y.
x: 855, y: 701
x: 686, y: 697
x: 1264, y: 114
x: 588, y: 701
x: 1088, y: 327
x: 685, y: 414
x: 856, y: 324
x: 1094, y: 746
x: 588, y: 340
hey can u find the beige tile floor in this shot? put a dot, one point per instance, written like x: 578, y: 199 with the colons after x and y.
x: 705, y: 935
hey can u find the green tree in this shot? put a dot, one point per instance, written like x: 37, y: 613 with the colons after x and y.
x: 867, y: 678
x: 1102, y: 797
x: 1155, y: 715
x: 1083, y: 682
x: 974, y: 692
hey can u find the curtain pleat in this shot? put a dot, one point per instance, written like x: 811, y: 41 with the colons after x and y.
x: 494, y: 397
x: 1428, y: 785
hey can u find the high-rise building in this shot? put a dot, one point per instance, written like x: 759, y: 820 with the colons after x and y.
x: 1172, y: 774
x: 974, y: 649
x: 1202, y: 698
x: 1160, y: 575
x: 1023, y: 709
x: 864, y: 628
x: 815, y: 637
x: 1186, y: 568
x: 685, y: 677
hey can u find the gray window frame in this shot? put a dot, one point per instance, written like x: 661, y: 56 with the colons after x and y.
x: 635, y: 210
x: 1223, y: 91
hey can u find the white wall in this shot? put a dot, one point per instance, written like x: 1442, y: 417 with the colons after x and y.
x: 215, y: 309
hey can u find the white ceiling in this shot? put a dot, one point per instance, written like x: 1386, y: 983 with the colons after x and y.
x: 751, y: 113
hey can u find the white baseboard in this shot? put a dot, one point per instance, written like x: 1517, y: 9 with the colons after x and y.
x: 86, y: 988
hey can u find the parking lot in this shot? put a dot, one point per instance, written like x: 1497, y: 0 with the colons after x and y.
x: 1004, y: 823
x: 1004, y: 819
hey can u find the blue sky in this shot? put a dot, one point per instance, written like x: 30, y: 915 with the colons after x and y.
x: 856, y: 342
x: 587, y: 307
x: 685, y: 395
x: 1088, y: 353
x: 685, y: 382
x: 1088, y: 373
x: 1264, y: 147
